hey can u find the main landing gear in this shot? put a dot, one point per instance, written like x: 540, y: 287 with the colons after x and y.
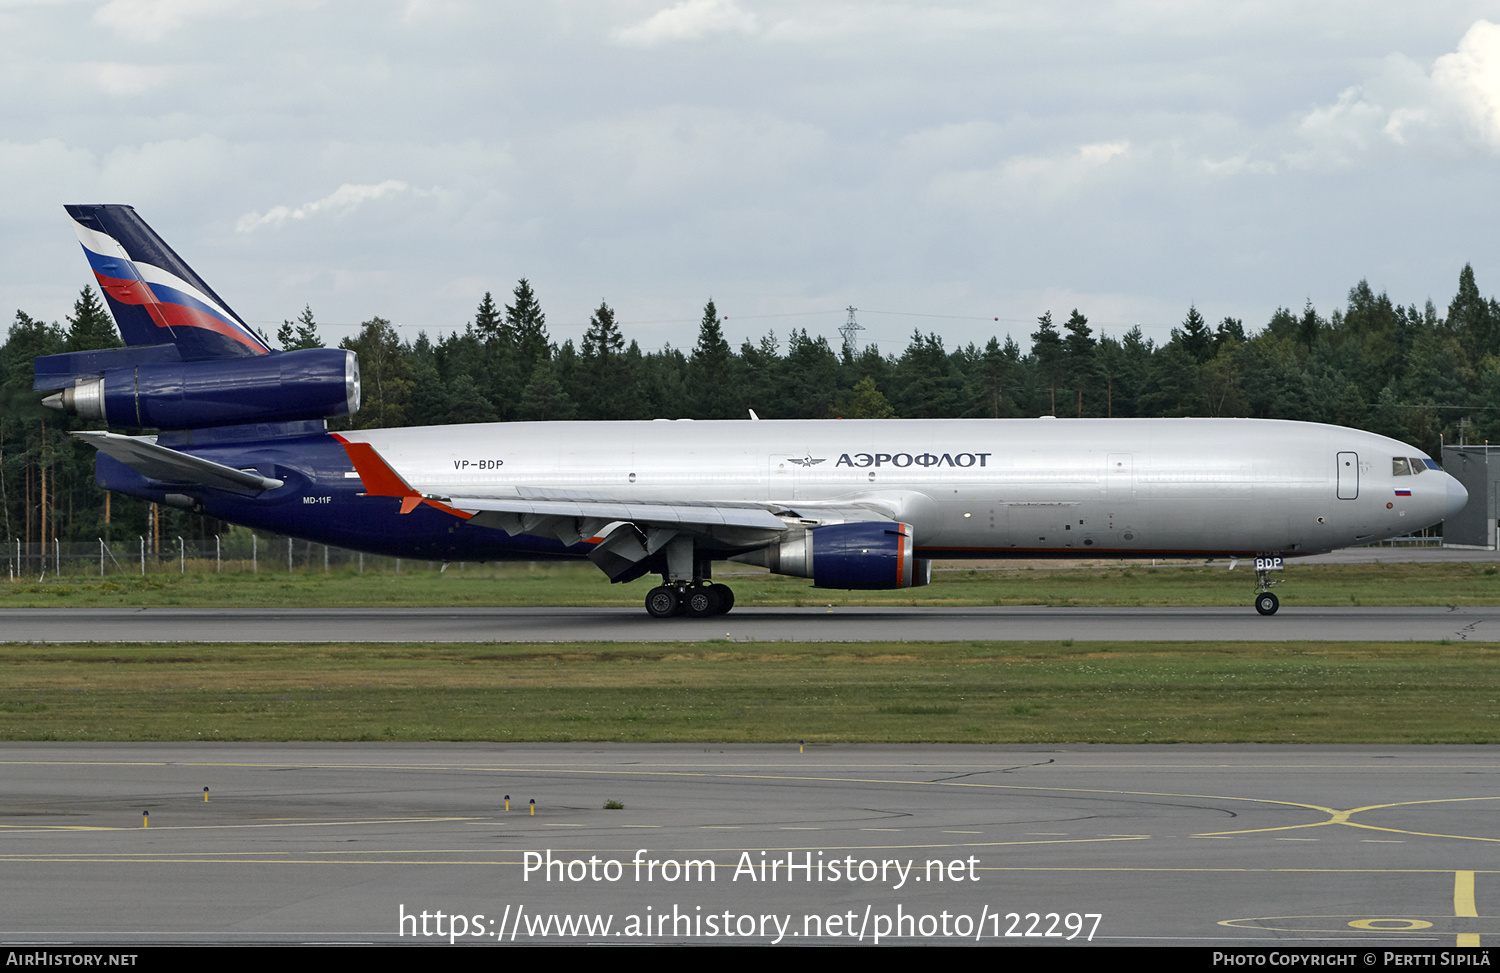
x: 700, y: 600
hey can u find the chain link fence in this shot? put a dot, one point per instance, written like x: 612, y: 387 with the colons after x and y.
x: 241, y: 551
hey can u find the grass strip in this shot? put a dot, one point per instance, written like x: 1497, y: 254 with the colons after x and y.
x: 717, y: 692
x: 542, y: 585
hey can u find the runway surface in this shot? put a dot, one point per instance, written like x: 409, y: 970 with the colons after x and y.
x: 1182, y: 845
x: 942, y: 624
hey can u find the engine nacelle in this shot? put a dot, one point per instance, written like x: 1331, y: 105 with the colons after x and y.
x: 868, y: 555
x: 314, y: 383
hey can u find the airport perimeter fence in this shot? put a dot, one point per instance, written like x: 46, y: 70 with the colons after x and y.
x: 221, y: 554
x: 252, y: 554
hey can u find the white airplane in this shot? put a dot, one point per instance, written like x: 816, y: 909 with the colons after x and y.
x: 849, y: 504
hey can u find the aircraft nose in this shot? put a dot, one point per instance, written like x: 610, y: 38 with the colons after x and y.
x: 1457, y: 497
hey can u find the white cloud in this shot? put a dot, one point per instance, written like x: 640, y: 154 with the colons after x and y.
x: 1023, y: 180
x: 151, y: 20
x: 1341, y: 132
x: 124, y: 80
x: 343, y: 199
x: 687, y: 21
x: 1405, y: 106
x: 1470, y: 77
x: 675, y: 159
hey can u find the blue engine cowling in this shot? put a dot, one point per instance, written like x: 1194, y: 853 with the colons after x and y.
x: 874, y: 555
x: 315, y: 383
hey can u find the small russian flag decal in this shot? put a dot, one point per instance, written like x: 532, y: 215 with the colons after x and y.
x: 1403, y: 493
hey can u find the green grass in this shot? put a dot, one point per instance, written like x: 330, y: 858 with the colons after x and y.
x: 581, y: 584
x: 983, y: 692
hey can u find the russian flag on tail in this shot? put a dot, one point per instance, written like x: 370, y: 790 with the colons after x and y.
x: 155, y: 296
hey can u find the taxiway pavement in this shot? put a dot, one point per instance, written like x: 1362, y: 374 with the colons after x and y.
x: 1192, y: 845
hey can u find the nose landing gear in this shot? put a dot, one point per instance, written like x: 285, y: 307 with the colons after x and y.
x: 1265, y: 602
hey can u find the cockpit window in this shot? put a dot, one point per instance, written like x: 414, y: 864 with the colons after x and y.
x: 1417, y: 466
x: 1400, y: 466
x: 1430, y: 464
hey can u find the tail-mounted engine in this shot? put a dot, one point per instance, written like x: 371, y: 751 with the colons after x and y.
x: 315, y: 383
x: 868, y: 555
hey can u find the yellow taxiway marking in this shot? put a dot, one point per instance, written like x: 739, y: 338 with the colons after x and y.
x: 1463, y: 905
x: 1463, y: 908
x: 1391, y: 925
x: 1342, y: 817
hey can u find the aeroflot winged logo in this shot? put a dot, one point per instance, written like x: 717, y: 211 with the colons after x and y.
x: 902, y: 460
x: 961, y: 460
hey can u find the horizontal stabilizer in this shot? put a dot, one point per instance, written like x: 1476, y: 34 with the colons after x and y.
x: 161, y: 463
x: 71, y: 368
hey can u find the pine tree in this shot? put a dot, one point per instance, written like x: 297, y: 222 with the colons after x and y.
x: 301, y: 334
x: 545, y: 399
x: 1229, y: 334
x: 1469, y: 318
x: 925, y: 386
x: 487, y: 321
x: 1310, y: 327
x: 1194, y: 336
x: 995, y: 370
x: 1047, y: 349
x: 711, y: 369
x: 527, y: 327
x: 1078, y: 349
x: 603, y: 338
x: 90, y: 326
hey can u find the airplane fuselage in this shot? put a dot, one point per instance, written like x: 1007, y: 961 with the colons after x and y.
x: 975, y: 488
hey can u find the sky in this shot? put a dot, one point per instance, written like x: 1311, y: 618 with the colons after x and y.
x: 949, y: 167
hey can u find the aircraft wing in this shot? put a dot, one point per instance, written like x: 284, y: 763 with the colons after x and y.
x: 143, y: 455
x: 679, y: 513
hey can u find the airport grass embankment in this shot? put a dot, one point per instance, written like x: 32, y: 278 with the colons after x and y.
x: 720, y: 692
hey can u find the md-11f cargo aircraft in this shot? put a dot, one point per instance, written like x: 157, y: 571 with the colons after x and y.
x: 242, y: 436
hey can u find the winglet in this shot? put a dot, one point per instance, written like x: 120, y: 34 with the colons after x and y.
x: 377, y: 476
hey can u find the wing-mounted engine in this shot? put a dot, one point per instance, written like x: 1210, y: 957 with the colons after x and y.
x: 867, y: 555
x: 314, y: 383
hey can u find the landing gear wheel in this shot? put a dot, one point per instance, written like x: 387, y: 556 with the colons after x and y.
x: 1267, y: 603
x: 703, y: 601
x: 662, y: 602
x: 726, y: 598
